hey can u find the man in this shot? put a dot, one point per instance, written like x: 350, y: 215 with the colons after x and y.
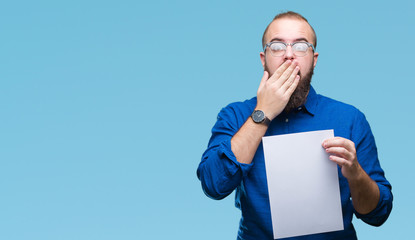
x: 286, y: 103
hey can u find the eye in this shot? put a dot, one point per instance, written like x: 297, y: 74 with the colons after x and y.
x: 277, y: 47
x: 301, y: 47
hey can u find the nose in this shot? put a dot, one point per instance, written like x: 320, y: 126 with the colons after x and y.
x: 289, y: 53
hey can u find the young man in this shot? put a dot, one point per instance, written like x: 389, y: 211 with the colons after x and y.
x: 286, y: 103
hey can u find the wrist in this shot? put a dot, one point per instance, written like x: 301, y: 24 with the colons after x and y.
x: 358, y: 176
x: 260, y: 117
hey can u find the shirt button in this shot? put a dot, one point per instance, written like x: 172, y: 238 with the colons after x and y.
x: 286, y: 120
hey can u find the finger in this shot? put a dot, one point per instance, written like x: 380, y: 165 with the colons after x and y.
x: 281, y: 69
x: 287, y: 73
x: 340, y: 161
x: 339, y: 142
x: 293, y: 86
x: 291, y: 79
x: 333, y: 140
x: 340, y: 151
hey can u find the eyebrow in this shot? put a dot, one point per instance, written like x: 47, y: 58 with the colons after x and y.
x: 295, y: 40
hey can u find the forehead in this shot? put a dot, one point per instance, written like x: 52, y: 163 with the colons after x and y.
x: 289, y: 30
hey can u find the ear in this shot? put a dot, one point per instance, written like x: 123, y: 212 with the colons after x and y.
x: 262, y: 56
x: 315, y: 59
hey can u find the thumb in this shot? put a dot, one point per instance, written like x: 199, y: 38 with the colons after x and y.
x: 264, y: 79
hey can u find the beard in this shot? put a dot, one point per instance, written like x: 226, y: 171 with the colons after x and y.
x: 300, y: 94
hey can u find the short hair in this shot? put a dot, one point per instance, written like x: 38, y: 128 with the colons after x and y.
x: 290, y: 14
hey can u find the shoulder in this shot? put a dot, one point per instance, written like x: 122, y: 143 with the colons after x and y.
x: 338, y: 108
x: 350, y: 121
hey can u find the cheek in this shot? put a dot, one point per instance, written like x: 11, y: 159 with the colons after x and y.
x: 272, y: 64
x: 305, y: 67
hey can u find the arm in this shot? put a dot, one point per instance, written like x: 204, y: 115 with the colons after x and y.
x: 272, y: 97
x: 371, y: 192
x: 231, y: 149
x: 364, y: 191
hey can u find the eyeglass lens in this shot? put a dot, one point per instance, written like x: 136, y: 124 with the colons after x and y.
x: 278, y: 49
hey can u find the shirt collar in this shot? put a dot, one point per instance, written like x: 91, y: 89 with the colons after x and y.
x: 311, y: 102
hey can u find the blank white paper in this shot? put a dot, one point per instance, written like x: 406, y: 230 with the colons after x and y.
x: 303, y: 184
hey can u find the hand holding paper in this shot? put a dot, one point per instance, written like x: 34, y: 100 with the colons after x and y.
x: 364, y: 191
x: 343, y: 152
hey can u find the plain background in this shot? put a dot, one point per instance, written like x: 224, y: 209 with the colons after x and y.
x: 107, y: 106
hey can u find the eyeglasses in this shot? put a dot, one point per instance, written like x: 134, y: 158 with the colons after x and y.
x: 278, y: 49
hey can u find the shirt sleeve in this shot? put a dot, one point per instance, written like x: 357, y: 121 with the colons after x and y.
x: 368, y: 158
x: 219, y: 171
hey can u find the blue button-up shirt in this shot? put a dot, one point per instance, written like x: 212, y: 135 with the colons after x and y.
x: 220, y: 173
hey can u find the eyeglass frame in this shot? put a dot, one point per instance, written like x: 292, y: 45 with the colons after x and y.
x: 290, y: 44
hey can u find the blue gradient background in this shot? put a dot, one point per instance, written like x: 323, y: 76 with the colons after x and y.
x: 107, y: 106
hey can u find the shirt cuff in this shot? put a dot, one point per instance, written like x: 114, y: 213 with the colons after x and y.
x: 233, y: 166
x: 379, y: 215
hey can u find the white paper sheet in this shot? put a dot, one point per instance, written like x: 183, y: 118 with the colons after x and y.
x: 303, y: 184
